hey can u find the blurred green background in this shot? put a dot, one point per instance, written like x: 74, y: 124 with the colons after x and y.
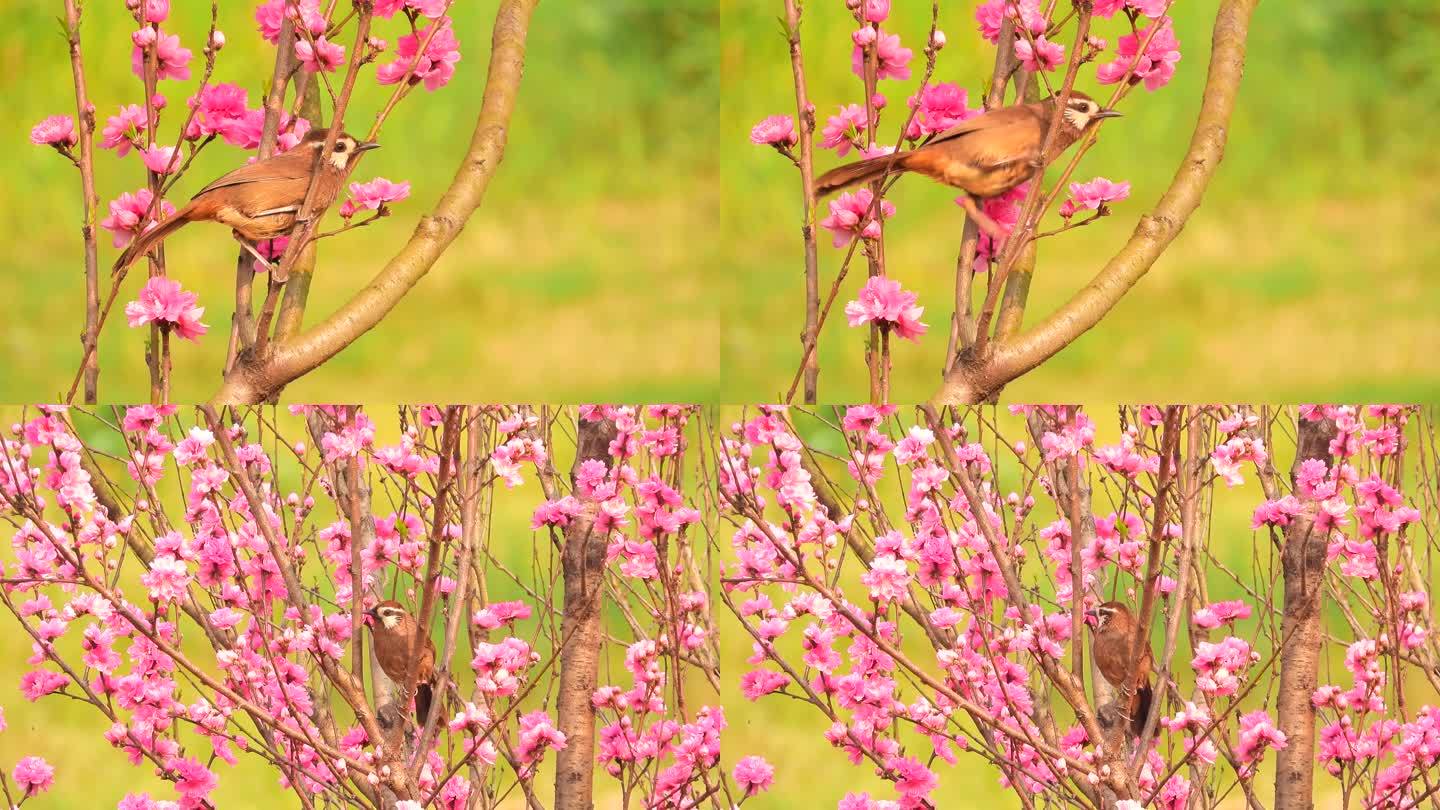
x: 578, y: 278
x: 90, y: 774
x: 1308, y: 272
x: 789, y: 733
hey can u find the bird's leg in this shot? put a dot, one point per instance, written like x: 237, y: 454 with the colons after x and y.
x: 245, y: 243
x: 988, y: 225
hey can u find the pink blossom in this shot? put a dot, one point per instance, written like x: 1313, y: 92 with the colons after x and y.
x: 435, y: 67
x: 370, y: 196
x: 1213, y: 615
x: 1150, y: 8
x: 223, y: 109
x: 873, y: 11
x: 912, y: 779
x: 162, y: 301
x: 1219, y: 667
x: 123, y: 131
x: 126, y: 212
x: 850, y: 216
x: 845, y: 129
x: 196, y: 781
x: 57, y: 130
x: 155, y: 10
x: 776, y: 129
x: 160, y: 159
x: 34, y: 775
x: 882, y: 300
x: 166, y: 579
x: 1155, y: 67
x: 760, y: 682
x: 271, y: 14
x: 172, y: 59
x: 1097, y: 192
x: 939, y: 107
x: 894, y: 60
x: 324, y: 55
x: 429, y: 8
x: 992, y: 14
x: 1256, y: 734
x: 38, y: 683
x: 1043, y: 55
x: 754, y: 775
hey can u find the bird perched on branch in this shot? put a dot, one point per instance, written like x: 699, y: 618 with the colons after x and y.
x: 261, y: 200
x: 394, y: 629
x: 1114, y: 649
x: 985, y: 156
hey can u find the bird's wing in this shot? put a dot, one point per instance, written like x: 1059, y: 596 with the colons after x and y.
x: 262, y: 171
x: 1011, y: 134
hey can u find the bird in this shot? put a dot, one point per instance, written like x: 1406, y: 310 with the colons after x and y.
x: 985, y: 156
x: 394, y: 629
x: 261, y: 200
x: 1113, y: 647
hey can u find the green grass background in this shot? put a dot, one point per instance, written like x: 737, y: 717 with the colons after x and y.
x: 1308, y: 272
x: 579, y: 278
x: 790, y: 733
x: 90, y: 774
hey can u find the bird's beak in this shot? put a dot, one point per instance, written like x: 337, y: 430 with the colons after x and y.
x: 370, y: 617
x: 368, y: 145
x: 1092, y: 617
x: 1109, y: 114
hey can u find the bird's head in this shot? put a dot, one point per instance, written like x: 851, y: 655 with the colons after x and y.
x: 1082, y: 111
x: 1107, y: 615
x: 346, y: 146
x: 389, y: 615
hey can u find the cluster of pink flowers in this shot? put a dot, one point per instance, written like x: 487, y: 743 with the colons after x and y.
x: 852, y: 215
x: 435, y: 67
x: 1155, y: 67
x: 372, y: 195
x: 883, y: 301
x: 162, y: 301
x: 1093, y: 195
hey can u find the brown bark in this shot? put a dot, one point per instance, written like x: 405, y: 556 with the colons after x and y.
x: 581, y: 635
x: 1303, y: 563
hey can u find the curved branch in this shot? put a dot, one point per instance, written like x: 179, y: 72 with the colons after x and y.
x: 976, y: 378
x: 258, y: 377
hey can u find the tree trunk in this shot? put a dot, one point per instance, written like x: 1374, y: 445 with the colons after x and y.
x: 1303, y: 563
x: 583, y: 566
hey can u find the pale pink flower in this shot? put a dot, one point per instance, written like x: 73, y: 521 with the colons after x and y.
x: 883, y: 301
x: 1155, y: 67
x: 850, y: 216
x: 322, y: 56
x: 126, y: 212
x: 173, y: 60
x: 754, y: 775
x: 162, y: 301
x: 370, y: 196
x: 428, y: 8
x: 123, y: 131
x: 992, y: 13
x: 873, y: 10
x: 196, y: 782
x: 160, y: 159
x: 33, y: 775
x: 435, y: 67
x: 223, y: 109
x: 893, y: 59
x: 845, y: 129
x: 57, y: 130
x: 156, y: 11
x: 775, y: 129
x: 1097, y: 192
x: 1043, y: 55
x: 939, y: 107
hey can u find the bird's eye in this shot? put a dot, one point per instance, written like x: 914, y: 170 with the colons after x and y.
x: 340, y: 147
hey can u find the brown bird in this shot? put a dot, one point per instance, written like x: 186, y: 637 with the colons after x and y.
x: 1113, y: 648
x: 985, y: 156
x: 394, y: 629
x: 261, y: 200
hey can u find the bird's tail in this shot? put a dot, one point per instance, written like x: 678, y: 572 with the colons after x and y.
x: 861, y: 171
x: 1140, y: 709
x: 424, y: 693
x: 143, y: 243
